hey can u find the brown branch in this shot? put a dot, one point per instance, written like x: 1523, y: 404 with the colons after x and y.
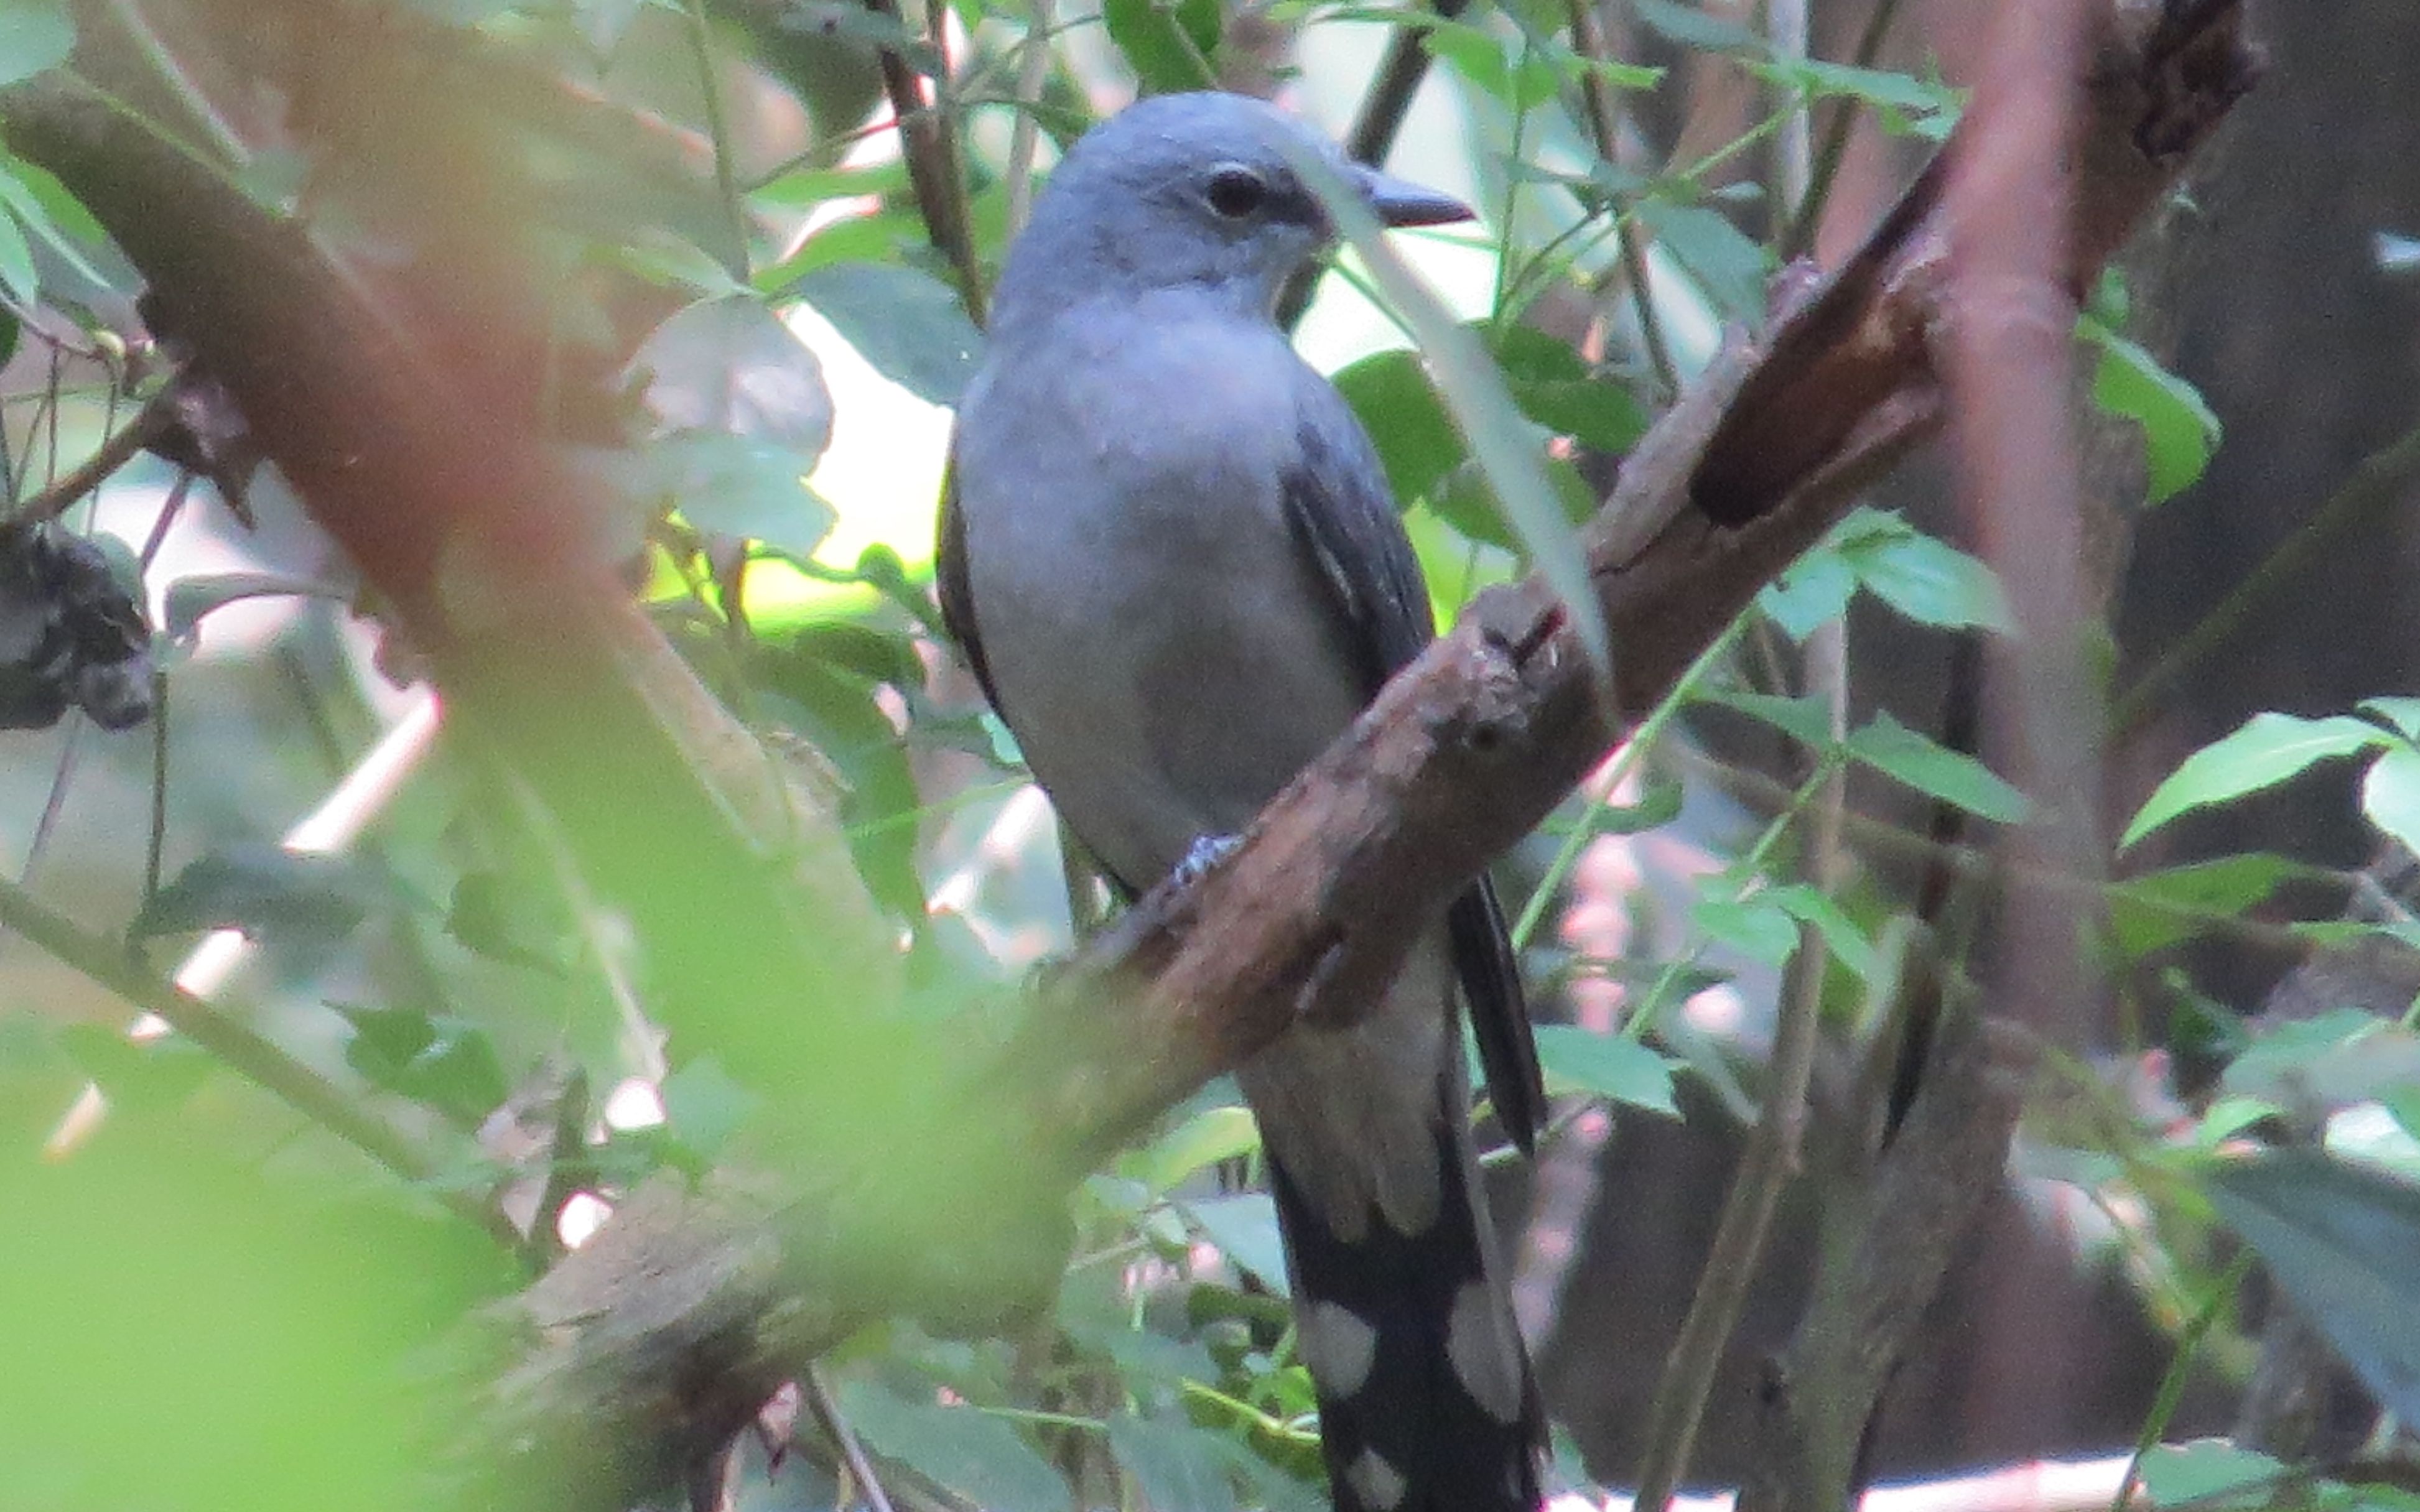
x: 122, y: 446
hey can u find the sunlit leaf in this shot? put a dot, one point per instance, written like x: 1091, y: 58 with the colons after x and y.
x: 729, y: 366
x: 2267, y: 749
x: 2211, y: 1474
x: 2179, y: 429
x: 1416, y: 439
x: 909, y: 324
x: 2390, y: 794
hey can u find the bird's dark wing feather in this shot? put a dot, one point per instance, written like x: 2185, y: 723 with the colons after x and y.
x: 950, y: 580
x: 1336, y: 501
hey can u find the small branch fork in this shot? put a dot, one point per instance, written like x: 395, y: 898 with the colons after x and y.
x: 646, y: 1351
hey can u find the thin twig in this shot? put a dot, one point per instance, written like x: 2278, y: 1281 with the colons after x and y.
x: 2375, y: 485
x: 1799, y: 238
x: 929, y: 144
x: 718, y: 127
x: 1024, y: 136
x: 120, y: 447
x: 1588, y: 42
x: 852, y: 1451
x: 1771, y: 1157
x: 240, y: 1047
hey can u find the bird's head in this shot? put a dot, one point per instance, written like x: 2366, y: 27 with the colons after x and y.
x: 1204, y: 189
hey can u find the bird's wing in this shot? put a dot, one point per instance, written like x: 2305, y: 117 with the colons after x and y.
x: 1337, y: 502
x: 950, y: 582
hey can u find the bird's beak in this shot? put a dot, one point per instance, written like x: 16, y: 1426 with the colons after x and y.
x: 1400, y: 201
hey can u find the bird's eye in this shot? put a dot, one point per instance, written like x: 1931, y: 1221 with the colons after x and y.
x: 1236, y: 193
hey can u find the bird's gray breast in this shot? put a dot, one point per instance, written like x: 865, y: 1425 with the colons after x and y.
x: 1160, y: 642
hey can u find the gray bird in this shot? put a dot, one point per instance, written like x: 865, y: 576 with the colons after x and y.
x: 1168, y: 551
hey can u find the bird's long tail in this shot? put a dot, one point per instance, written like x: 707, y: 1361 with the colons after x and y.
x: 1426, y: 1400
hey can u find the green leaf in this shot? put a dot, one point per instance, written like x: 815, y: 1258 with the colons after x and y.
x: 1516, y: 76
x: 2402, y: 713
x: 981, y: 1457
x: 44, y: 208
x: 2267, y: 749
x: 909, y: 324
x: 730, y: 484
x: 1925, y: 579
x: 1936, y: 771
x: 2180, y: 431
x: 1847, y: 943
x: 704, y: 1106
x: 189, y: 600
x: 1210, y: 1136
x: 440, y: 1061
x: 1176, y: 1466
x: 2340, y: 1057
x: 1804, y: 720
x: 1166, y: 45
x: 1609, y: 1066
x: 2344, y: 1242
x: 1416, y: 439
x: 17, y: 273
x: 1244, y: 1227
x: 727, y: 365
x: 1755, y: 926
x: 1692, y: 28
x: 2390, y: 795
x: 265, y: 889
x: 1814, y: 590
x: 1728, y: 264
x: 1554, y: 387
x: 35, y: 34
x: 2158, y: 909
x: 2211, y: 1474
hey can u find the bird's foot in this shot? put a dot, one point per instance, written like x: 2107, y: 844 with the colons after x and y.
x: 1203, y: 856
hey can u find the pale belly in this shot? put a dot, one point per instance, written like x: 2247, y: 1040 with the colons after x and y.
x: 1167, y: 668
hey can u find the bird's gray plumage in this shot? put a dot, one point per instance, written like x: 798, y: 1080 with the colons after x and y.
x: 1169, y: 552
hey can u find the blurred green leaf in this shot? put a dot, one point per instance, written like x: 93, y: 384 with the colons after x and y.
x: 1730, y: 266
x: 35, y: 34
x: 2267, y: 749
x: 2211, y: 1474
x: 909, y: 324
x: 268, y: 891
x: 1175, y: 1465
x: 1846, y: 943
x: 1690, y: 26
x: 2179, y: 431
x: 2390, y: 795
x: 981, y: 1457
x: 1554, y: 387
x: 1518, y: 77
x: 437, y: 1061
x: 1244, y: 1227
x: 189, y: 600
x: 1935, y: 770
x: 1417, y: 442
x: 704, y: 1106
x: 1210, y: 1136
x: 727, y: 365
x: 2344, y: 1242
x: 1611, y: 1066
x: 1167, y: 45
x: 730, y: 484
x: 2158, y: 909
